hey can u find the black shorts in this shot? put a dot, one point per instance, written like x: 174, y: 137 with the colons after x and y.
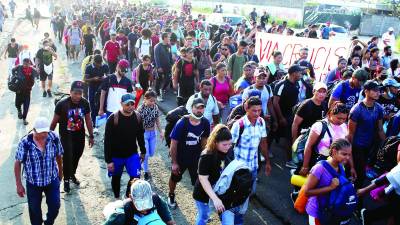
x: 192, y: 173
x: 43, y: 76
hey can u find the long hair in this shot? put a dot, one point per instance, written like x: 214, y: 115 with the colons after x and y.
x: 219, y: 133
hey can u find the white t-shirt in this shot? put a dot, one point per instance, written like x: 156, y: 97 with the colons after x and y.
x: 390, y: 39
x: 144, y: 49
x: 211, y: 106
x: 266, y: 94
x: 114, y: 98
x: 337, y: 132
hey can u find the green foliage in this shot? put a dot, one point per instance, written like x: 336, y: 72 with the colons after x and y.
x: 291, y: 22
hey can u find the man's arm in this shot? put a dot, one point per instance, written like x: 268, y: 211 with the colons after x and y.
x: 295, y: 127
x: 89, y: 126
x: 56, y: 119
x: 277, y: 108
x: 17, y: 173
x: 59, y: 161
x: 264, y: 152
x: 140, y: 136
x: 102, y: 99
x: 352, y: 130
x: 381, y: 133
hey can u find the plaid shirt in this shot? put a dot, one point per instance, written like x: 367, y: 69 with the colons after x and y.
x: 40, y: 167
x: 247, y: 149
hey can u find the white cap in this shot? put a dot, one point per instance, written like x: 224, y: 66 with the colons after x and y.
x: 390, y: 29
x: 41, y: 125
x: 319, y: 85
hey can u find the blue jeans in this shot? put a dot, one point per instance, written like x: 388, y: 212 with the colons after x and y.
x: 150, y: 138
x: 254, y: 175
x: 203, y: 213
x: 34, y: 195
x: 232, y: 216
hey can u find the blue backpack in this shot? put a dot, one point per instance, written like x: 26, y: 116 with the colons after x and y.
x: 342, y: 201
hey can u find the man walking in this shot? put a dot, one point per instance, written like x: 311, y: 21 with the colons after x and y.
x: 11, y: 54
x: 74, y: 41
x: 124, y: 132
x: 44, y: 61
x: 41, y: 154
x: 111, y: 52
x: 236, y: 62
x: 164, y: 62
x: 23, y: 96
x: 95, y: 73
x: 71, y: 113
x: 188, y: 139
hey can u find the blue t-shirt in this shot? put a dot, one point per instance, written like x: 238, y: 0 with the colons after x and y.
x: 189, y: 140
x: 367, y: 120
x: 325, y: 32
x: 242, y: 83
x: 346, y: 94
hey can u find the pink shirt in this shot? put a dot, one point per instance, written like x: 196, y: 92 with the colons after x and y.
x: 337, y: 131
x: 221, y: 90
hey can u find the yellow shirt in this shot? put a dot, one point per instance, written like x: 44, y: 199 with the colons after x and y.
x: 86, y: 61
x: 84, y: 29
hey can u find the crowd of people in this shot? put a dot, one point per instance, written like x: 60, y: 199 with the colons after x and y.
x: 230, y: 111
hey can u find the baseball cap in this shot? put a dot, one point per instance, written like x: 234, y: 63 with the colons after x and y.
x: 260, y: 72
x: 142, y: 195
x: 319, y: 85
x: 123, y: 65
x: 126, y: 98
x: 390, y: 82
x: 41, y: 125
x: 77, y: 86
x: 198, y: 102
x: 390, y: 29
x: 371, y: 85
x: 296, y: 68
x: 361, y: 74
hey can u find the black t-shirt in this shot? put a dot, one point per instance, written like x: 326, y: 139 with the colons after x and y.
x: 264, y: 20
x: 133, y: 37
x: 288, y: 93
x: 209, y: 165
x: 186, y: 70
x: 88, y: 39
x: 72, y: 116
x: 311, y: 113
x: 92, y: 71
x: 12, y: 51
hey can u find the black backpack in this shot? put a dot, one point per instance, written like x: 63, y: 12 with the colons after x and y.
x: 239, y: 190
x: 387, y: 154
x: 172, y: 118
x: 16, y: 80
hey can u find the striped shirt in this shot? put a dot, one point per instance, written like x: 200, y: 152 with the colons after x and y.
x: 247, y: 149
x: 40, y: 168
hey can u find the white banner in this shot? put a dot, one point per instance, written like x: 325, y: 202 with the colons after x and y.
x: 322, y: 54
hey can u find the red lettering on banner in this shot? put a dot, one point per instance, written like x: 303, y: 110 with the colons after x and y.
x: 316, y: 56
x: 326, y: 58
x: 275, y: 48
x: 284, y: 53
x: 338, y: 49
x: 295, y: 53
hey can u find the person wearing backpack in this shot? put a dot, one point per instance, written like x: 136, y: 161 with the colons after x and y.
x: 44, y: 62
x: 75, y: 40
x: 366, y: 130
x: 210, y: 169
x: 236, y: 61
x: 310, y: 111
x: 164, y: 62
x: 188, y: 139
x: 143, y: 45
x: 246, y: 80
x: 202, y: 54
x: 322, y: 133
x: 332, y: 198
x: 27, y: 74
x: 40, y: 147
x: 144, y: 207
x: 249, y: 134
x: 211, y: 111
x: 123, y: 133
x: 72, y: 113
x: 186, y: 76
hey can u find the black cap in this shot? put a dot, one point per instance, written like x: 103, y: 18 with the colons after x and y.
x: 197, y: 102
x: 371, y: 85
x: 296, y: 68
x: 77, y: 86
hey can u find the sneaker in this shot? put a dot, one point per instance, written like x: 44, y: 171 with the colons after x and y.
x: 67, y: 189
x: 147, y: 176
x: 75, y: 180
x: 19, y: 114
x: 171, y: 201
x: 44, y: 94
x: 25, y: 122
x: 291, y: 165
x: 49, y: 93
